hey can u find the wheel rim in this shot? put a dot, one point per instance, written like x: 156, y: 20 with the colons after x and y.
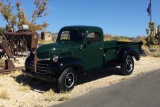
x: 69, y: 81
x: 129, y: 65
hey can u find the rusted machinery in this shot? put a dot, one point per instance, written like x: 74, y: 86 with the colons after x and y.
x: 16, y: 44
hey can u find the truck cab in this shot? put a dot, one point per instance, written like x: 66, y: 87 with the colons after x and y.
x: 90, y: 41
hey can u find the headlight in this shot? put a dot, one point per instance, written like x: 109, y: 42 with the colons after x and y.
x: 55, y: 58
x: 28, y: 53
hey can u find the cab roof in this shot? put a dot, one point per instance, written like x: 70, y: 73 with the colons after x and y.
x: 83, y: 28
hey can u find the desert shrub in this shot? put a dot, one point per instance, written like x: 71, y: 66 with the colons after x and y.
x: 155, y: 50
x: 44, y: 42
x: 64, y: 98
x: 152, y: 49
x: 122, y: 38
x: 107, y: 39
x: 157, y: 54
x: 144, y: 41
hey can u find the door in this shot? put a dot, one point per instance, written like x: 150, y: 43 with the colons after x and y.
x: 93, y: 52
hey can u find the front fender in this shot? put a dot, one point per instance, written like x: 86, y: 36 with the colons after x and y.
x: 27, y: 63
x: 64, y: 63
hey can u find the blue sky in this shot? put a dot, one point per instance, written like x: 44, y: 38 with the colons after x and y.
x: 117, y: 17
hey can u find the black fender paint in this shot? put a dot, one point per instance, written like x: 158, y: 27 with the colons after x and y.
x: 57, y: 68
x: 128, y: 51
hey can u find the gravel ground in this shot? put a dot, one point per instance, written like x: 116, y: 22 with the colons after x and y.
x: 17, y: 90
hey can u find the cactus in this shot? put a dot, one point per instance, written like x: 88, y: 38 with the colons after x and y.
x: 151, y: 25
x: 153, y: 40
x: 158, y: 30
x: 152, y: 33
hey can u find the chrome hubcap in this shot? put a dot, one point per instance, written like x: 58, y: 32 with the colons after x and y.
x: 69, y: 81
x: 129, y: 66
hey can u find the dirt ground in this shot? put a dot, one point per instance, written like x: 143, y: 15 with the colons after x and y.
x: 18, y: 90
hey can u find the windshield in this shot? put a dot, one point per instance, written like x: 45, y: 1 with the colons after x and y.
x: 70, y: 36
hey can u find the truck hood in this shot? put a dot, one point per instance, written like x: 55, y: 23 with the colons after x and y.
x: 45, y: 51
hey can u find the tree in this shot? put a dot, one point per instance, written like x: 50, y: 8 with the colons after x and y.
x: 2, y: 30
x: 20, y: 18
x: 6, y: 11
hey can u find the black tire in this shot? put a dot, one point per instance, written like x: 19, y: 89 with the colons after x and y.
x: 67, y: 80
x: 127, y: 66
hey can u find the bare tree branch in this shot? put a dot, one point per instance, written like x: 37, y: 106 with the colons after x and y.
x: 41, y: 9
x: 20, y: 17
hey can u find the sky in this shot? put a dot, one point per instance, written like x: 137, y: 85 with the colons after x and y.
x: 116, y: 17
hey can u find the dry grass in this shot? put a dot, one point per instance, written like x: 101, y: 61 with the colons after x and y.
x: 1, y: 85
x: 52, y: 96
x: 155, y: 50
x: 156, y: 54
x: 146, y: 50
x: 64, y: 98
x: 16, y: 73
x: 56, y: 98
x: 38, y: 106
x: 4, y: 94
x: 24, y: 88
x: 50, y: 99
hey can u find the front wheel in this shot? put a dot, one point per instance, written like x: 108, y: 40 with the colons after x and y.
x: 67, y: 80
x: 127, y: 66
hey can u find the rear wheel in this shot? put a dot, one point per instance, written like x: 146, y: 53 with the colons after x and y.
x: 127, y: 66
x: 67, y: 80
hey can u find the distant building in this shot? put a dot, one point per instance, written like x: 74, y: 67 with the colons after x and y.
x: 55, y: 35
x: 46, y: 36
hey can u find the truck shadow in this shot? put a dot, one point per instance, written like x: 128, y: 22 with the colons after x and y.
x: 98, y: 75
x: 36, y: 84
x: 43, y: 86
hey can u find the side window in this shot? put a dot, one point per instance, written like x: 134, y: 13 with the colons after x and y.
x: 93, y: 37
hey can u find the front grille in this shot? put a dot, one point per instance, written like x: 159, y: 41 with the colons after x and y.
x: 41, y: 67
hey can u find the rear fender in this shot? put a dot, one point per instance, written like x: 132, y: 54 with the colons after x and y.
x: 128, y: 51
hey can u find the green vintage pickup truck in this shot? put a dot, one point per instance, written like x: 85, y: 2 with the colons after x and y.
x: 79, y: 50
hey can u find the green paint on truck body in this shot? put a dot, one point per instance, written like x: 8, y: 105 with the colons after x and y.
x: 83, y: 48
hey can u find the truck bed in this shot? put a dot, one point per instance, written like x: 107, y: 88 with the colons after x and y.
x: 118, y: 44
x: 112, y: 47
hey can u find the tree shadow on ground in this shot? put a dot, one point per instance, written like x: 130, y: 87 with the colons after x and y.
x: 43, y: 86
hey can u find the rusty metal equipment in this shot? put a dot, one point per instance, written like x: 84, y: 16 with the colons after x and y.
x: 16, y: 44
x: 7, y: 51
x: 22, y: 41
